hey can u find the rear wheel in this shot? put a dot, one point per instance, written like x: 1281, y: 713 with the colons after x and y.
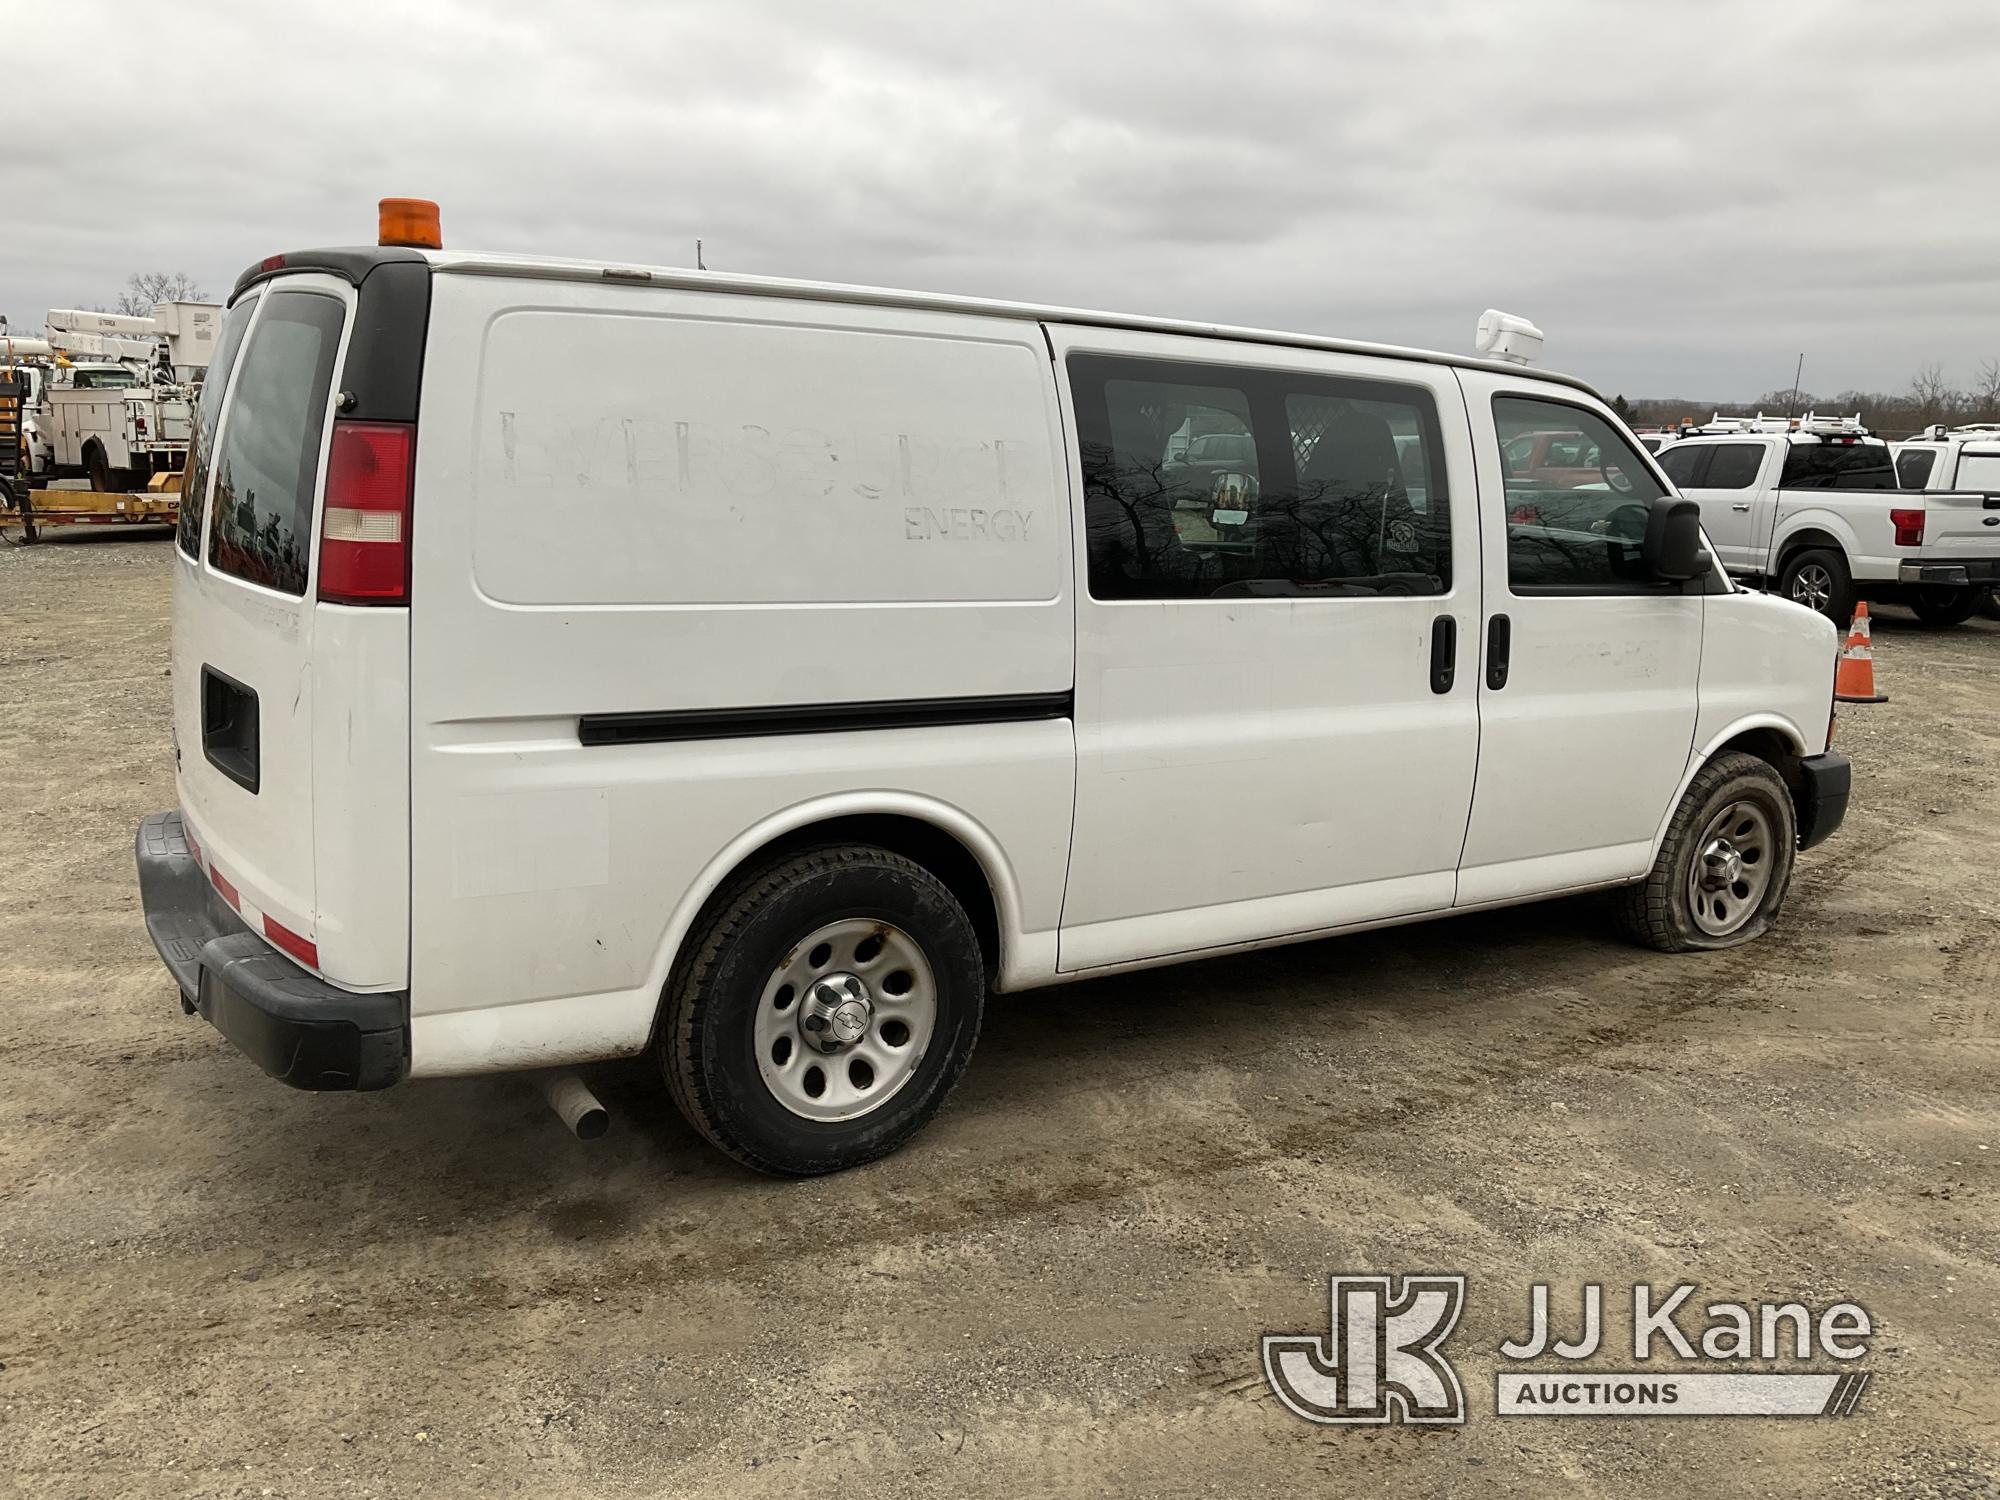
x: 1819, y: 579
x: 1722, y: 872
x: 1941, y: 608
x: 826, y: 1009
x: 99, y: 469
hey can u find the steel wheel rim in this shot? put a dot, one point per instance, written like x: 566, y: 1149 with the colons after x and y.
x: 1731, y: 870
x: 866, y: 966
x: 1812, y: 585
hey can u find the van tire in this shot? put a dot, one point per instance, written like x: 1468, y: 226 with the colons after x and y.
x: 1659, y: 911
x: 707, y: 1041
x: 1820, y: 572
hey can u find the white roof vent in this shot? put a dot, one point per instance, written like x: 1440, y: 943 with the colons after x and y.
x: 1503, y: 336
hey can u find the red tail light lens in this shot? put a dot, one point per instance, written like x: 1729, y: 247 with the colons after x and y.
x: 1909, y: 526
x: 305, y: 950
x: 364, y: 536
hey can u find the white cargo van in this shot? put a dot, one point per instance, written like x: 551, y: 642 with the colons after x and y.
x: 836, y: 658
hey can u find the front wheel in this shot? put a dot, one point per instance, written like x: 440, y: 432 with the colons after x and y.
x: 1819, y: 579
x: 827, y: 1006
x: 1725, y: 865
x: 1941, y: 608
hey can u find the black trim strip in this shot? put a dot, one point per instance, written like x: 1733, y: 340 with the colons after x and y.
x: 820, y: 718
x: 351, y: 264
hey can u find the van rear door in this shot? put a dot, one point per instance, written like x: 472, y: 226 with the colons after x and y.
x: 244, y: 684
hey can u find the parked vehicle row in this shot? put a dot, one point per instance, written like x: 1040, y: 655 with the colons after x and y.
x: 838, y: 657
x: 1813, y: 509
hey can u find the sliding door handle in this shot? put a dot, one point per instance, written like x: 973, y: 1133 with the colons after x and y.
x: 1444, y: 652
x: 1499, y: 647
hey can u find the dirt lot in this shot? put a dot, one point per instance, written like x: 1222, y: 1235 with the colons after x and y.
x: 217, y: 1286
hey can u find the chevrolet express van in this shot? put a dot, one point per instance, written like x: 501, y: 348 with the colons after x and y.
x: 573, y: 661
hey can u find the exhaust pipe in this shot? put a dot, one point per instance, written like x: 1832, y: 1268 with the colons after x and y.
x: 579, y: 1109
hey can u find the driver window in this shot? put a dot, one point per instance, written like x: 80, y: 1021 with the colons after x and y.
x: 1578, y: 497
x: 1207, y: 482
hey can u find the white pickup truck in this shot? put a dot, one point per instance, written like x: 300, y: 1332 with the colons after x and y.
x: 1811, y: 507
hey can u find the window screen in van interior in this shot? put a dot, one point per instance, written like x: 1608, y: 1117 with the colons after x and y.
x: 1212, y: 482
x: 260, y: 528
x: 213, y: 390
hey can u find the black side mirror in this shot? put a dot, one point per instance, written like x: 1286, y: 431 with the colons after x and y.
x: 1673, y: 549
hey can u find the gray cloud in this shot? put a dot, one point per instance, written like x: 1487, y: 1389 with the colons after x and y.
x: 1684, y: 197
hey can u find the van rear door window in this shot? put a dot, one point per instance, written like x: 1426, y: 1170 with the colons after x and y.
x: 268, y: 467
x: 214, y: 390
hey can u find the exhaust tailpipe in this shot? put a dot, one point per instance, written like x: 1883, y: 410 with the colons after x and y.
x: 572, y: 1099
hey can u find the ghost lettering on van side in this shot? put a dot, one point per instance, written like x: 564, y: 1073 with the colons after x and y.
x: 615, y: 451
x: 958, y: 523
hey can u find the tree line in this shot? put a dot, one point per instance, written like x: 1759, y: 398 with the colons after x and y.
x: 1928, y: 398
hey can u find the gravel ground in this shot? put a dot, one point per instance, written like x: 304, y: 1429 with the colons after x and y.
x: 217, y: 1286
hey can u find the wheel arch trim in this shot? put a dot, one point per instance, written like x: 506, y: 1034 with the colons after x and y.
x: 1737, y: 729
x: 1018, y: 958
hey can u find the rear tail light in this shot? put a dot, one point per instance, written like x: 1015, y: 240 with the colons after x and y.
x: 139, y: 423
x: 1909, y: 526
x: 364, y: 539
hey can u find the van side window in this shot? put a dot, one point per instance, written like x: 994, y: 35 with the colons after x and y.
x: 1913, y: 467
x: 209, y: 413
x: 1207, y: 482
x: 1572, y: 528
x: 261, y: 519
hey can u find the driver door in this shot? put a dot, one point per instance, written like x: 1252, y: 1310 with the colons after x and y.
x: 1275, y: 690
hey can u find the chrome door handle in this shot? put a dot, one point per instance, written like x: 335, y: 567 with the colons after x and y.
x: 1740, y: 505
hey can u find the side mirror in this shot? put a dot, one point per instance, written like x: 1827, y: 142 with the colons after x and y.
x: 1672, y: 549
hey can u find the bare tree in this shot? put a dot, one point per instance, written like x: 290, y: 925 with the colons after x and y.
x: 1933, y: 396
x: 1986, y: 390
x: 144, y: 288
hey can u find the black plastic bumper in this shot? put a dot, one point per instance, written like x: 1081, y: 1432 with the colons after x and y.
x: 1951, y: 572
x: 1822, y: 796
x: 299, y: 1029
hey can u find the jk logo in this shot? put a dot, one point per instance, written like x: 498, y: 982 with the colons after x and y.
x: 1380, y: 1361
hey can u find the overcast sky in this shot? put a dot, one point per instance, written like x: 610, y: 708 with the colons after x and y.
x: 1682, y: 197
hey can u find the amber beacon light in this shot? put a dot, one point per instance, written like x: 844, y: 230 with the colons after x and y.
x: 410, y: 221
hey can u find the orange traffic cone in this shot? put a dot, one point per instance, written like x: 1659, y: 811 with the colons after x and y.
x: 1854, y: 675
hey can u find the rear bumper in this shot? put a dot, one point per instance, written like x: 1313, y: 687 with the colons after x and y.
x: 1951, y: 572
x: 299, y: 1029
x: 1822, y: 796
